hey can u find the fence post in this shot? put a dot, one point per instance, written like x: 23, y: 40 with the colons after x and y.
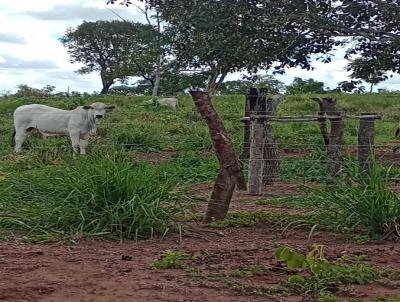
x: 335, y: 160
x: 327, y: 106
x: 257, y: 104
x: 366, y: 143
x: 245, y: 154
x: 271, y: 153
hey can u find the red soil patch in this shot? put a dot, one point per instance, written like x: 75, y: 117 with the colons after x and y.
x: 109, y: 271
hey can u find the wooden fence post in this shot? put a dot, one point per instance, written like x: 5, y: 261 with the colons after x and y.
x: 327, y: 106
x: 257, y: 103
x: 271, y: 152
x: 335, y: 160
x: 230, y: 168
x: 245, y: 154
x: 366, y: 143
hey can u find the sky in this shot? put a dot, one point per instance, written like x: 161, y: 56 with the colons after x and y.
x: 31, y: 54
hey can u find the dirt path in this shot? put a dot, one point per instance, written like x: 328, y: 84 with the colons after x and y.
x: 110, y: 271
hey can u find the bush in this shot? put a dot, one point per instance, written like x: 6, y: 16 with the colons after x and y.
x: 92, y: 197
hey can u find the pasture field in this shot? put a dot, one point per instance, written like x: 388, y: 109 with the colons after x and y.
x: 123, y: 223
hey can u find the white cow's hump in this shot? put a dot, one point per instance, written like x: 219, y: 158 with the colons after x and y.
x: 40, y: 108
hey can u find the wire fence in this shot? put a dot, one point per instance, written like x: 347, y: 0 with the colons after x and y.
x: 302, y: 155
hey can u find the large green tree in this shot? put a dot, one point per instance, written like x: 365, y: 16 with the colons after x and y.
x: 115, y: 49
x: 299, y: 86
x: 242, y: 86
x: 367, y: 70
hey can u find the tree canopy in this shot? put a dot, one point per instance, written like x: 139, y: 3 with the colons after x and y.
x: 305, y: 86
x: 117, y: 49
x: 229, y: 35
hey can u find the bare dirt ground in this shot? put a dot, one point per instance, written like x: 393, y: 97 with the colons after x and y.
x: 113, y: 271
x: 110, y: 271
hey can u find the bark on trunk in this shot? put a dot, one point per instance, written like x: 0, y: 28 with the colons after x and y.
x: 106, y: 88
x: 230, y: 167
x: 333, y: 139
x: 245, y: 154
x: 256, y: 163
x: 157, y: 80
x: 335, y: 159
x: 366, y: 144
x: 271, y: 152
x: 257, y: 105
x: 213, y: 85
x: 106, y: 82
x: 327, y: 106
x: 159, y: 57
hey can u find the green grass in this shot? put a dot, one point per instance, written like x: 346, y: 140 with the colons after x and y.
x: 139, y: 127
x: 361, y: 203
x: 170, y: 260
x: 103, y: 197
x: 245, y: 219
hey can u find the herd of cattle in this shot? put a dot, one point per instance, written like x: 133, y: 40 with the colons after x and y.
x: 78, y: 123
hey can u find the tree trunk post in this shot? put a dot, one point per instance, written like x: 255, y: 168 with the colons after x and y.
x: 327, y: 106
x: 230, y: 167
x: 245, y: 154
x: 271, y: 152
x: 335, y: 160
x: 366, y: 144
x: 257, y: 103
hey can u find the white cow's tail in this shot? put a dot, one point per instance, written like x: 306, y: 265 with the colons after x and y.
x: 13, y: 137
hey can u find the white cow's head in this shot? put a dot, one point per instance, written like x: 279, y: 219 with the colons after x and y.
x: 98, y: 110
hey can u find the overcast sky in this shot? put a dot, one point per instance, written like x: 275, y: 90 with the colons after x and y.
x: 30, y: 52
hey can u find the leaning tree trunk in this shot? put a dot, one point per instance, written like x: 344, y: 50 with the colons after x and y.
x: 230, y: 171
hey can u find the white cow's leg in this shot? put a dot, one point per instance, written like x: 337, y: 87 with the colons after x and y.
x: 75, y: 140
x: 20, y: 137
x: 83, y: 143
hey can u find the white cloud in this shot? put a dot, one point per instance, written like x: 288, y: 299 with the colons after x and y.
x: 30, y: 51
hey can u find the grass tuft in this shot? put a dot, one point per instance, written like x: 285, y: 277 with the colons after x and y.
x: 102, y: 197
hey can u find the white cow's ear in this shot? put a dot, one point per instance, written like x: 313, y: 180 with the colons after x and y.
x: 87, y: 107
x: 109, y: 108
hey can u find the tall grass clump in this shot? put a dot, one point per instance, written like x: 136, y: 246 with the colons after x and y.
x: 103, y: 197
x: 363, y: 203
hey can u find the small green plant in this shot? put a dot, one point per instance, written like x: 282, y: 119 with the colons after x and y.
x: 257, y: 268
x: 241, y: 218
x: 320, y: 276
x: 170, y: 260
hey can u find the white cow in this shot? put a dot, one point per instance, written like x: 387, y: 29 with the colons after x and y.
x: 165, y: 102
x: 168, y: 102
x: 49, y: 121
